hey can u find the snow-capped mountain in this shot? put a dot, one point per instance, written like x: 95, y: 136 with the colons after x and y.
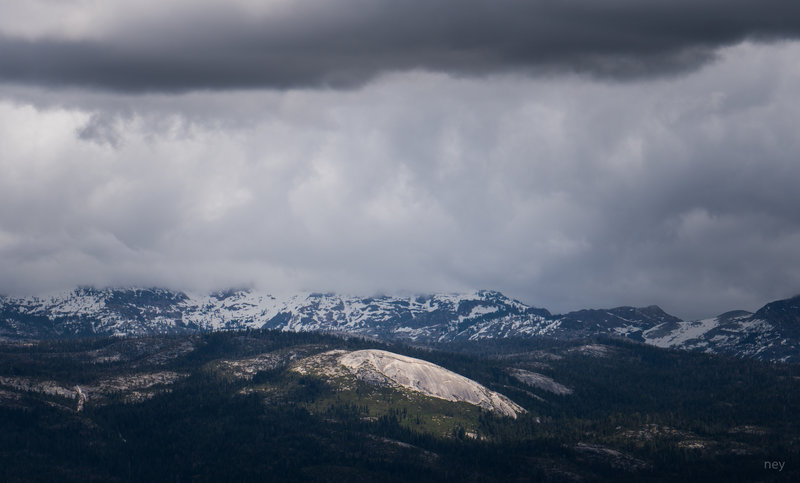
x: 439, y: 317
x: 771, y: 333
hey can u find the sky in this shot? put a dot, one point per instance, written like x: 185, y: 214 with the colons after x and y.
x: 571, y: 154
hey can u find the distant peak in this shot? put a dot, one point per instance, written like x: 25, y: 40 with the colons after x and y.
x: 790, y: 305
x: 652, y: 310
x: 734, y: 313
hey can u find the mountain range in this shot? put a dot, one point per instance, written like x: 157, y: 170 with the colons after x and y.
x: 772, y: 333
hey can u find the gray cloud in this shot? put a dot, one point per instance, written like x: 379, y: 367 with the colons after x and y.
x: 345, y: 43
x: 561, y: 191
x: 102, y: 130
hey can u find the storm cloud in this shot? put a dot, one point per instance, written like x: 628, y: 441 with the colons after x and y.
x: 346, y: 43
x: 571, y: 154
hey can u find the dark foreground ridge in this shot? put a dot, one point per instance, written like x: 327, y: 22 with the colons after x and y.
x: 270, y: 405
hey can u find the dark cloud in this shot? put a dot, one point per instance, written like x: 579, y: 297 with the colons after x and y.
x: 563, y: 192
x: 191, y: 146
x: 345, y: 43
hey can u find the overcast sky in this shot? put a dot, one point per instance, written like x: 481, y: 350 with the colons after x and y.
x: 571, y: 154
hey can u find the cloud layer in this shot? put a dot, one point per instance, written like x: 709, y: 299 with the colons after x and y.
x: 205, y: 44
x: 561, y: 191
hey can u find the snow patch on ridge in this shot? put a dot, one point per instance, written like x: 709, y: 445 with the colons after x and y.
x: 685, y: 332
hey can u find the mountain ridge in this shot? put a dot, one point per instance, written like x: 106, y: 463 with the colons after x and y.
x: 771, y: 333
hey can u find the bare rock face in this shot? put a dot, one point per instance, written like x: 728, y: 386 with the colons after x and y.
x: 540, y: 381
x: 247, y: 368
x: 426, y: 378
x: 133, y: 387
x: 615, y: 459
